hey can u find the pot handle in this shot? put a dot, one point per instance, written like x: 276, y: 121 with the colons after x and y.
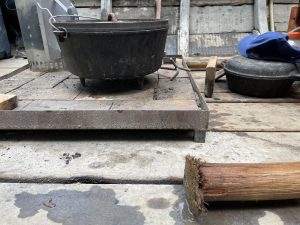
x: 295, y: 76
x: 62, y: 30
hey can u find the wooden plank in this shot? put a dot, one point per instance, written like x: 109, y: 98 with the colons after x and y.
x: 47, y: 80
x: 157, y: 114
x: 281, y: 16
x: 210, y: 76
x: 106, y: 8
x: 237, y: 98
x: 10, y: 84
x: 260, y: 16
x: 61, y: 92
x: 180, y: 88
x: 171, y: 13
x: 222, y: 19
x: 8, y: 102
x: 223, y: 44
x: 254, y: 117
x: 158, y: 9
x: 286, y: 1
x: 171, y: 45
x: 144, y: 3
x: 184, y: 28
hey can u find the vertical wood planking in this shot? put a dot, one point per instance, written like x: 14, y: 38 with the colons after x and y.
x: 210, y: 76
x: 183, y: 32
x: 260, y: 16
x: 106, y: 8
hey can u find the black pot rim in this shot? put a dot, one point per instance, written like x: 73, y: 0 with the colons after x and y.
x: 107, y: 26
x: 258, y: 77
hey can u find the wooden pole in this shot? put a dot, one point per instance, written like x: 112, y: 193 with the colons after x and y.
x: 260, y: 16
x: 206, y: 182
x: 106, y: 8
x: 210, y: 76
x: 158, y: 9
x: 184, y: 27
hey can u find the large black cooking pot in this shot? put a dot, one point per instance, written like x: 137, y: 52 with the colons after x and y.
x: 125, y: 49
x: 260, y: 78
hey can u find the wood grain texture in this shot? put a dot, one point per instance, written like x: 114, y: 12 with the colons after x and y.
x: 8, y: 102
x: 210, y: 76
x: 205, y: 182
x: 147, y: 3
x: 221, y: 19
x: 184, y: 28
x: 254, y: 117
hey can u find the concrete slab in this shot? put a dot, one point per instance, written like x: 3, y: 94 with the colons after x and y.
x: 79, y: 204
x: 135, y: 157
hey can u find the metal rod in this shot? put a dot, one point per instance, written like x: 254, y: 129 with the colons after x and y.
x: 61, y: 5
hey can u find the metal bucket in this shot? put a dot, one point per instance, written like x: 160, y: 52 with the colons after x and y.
x: 41, y: 47
x: 126, y: 49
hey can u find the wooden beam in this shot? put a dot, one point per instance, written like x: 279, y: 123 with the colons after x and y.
x: 106, y: 8
x: 260, y: 16
x: 210, y: 76
x: 158, y: 9
x: 206, y: 182
x: 8, y: 102
x: 184, y: 27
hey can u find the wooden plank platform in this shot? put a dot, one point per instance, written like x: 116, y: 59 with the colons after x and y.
x: 59, y: 101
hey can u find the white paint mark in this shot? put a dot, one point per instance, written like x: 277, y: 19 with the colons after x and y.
x: 270, y: 218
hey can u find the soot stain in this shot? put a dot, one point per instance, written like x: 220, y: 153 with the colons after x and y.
x: 67, y: 157
x: 242, y: 134
x: 97, y: 206
x: 158, y: 203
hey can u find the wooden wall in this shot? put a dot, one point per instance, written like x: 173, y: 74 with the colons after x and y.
x: 216, y: 26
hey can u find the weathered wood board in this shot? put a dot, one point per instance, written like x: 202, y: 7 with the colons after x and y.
x: 226, y: 19
x: 151, y: 3
x: 171, y: 13
x: 215, y: 44
x: 273, y: 117
x: 57, y: 100
x: 12, y: 66
x: 282, y: 16
x: 8, y: 102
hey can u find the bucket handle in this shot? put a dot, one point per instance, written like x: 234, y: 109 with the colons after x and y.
x: 63, y: 30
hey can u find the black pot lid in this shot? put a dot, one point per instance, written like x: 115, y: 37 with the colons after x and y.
x: 241, y: 66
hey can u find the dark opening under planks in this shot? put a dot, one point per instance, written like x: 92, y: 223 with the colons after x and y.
x: 254, y: 117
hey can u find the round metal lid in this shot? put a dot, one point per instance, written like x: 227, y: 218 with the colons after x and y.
x: 245, y: 67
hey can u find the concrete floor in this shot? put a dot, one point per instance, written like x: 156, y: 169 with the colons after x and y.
x: 91, y: 204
